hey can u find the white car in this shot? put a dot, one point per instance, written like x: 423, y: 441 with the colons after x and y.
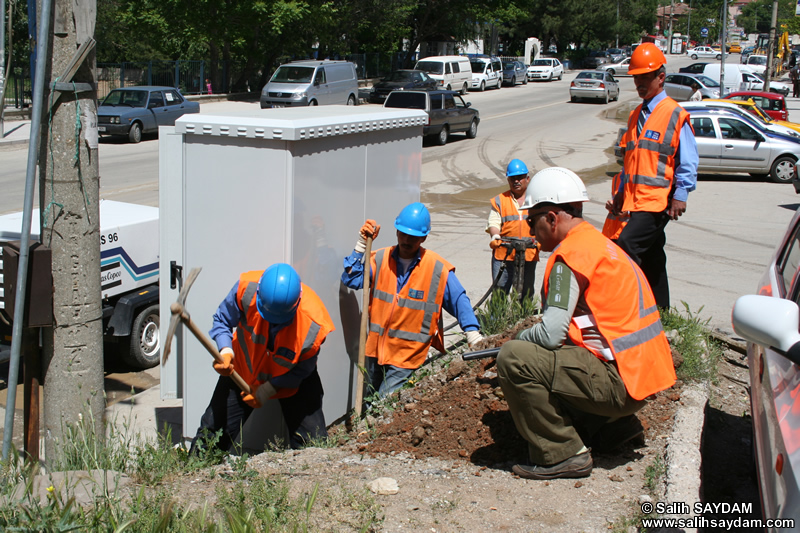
x: 703, y: 51
x: 616, y: 69
x: 757, y: 64
x: 546, y: 68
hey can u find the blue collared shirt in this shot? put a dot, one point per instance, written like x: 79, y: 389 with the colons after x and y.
x: 227, y: 318
x: 687, y: 158
x: 456, y: 302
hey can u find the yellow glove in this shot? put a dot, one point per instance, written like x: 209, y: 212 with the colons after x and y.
x: 259, y: 395
x: 226, y: 367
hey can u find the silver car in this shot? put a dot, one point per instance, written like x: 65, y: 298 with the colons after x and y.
x: 616, y: 69
x: 679, y: 86
x: 595, y: 85
x: 728, y: 142
x: 703, y: 51
x: 769, y: 323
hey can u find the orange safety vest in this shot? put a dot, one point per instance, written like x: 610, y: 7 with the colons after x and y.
x: 402, y: 326
x: 297, y: 341
x: 623, y: 310
x: 649, y: 162
x: 512, y: 225
x: 614, y: 223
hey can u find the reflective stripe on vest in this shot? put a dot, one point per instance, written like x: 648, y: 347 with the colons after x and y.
x: 650, y: 158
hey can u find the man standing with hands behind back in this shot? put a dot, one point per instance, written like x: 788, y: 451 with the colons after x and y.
x: 659, y: 169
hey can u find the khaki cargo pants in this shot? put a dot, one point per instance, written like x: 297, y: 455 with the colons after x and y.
x: 547, y: 389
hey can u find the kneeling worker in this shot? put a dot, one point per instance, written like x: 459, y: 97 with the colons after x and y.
x: 599, y: 350
x: 409, y: 285
x: 269, y: 329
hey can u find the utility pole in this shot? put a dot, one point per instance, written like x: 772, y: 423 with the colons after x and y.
x: 68, y: 197
x: 771, y: 46
x: 2, y: 63
x: 671, y: 14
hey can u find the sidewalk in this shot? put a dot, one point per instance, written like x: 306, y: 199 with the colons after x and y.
x: 15, y: 131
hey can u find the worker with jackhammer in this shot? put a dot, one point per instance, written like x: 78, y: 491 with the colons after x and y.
x: 269, y: 328
x: 410, y: 285
x: 659, y: 169
x: 575, y: 379
x: 506, y: 219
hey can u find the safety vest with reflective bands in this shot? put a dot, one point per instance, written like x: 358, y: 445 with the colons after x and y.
x: 623, y: 310
x: 295, y: 342
x: 402, y: 326
x: 513, y: 225
x: 614, y: 223
x: 649, y: 162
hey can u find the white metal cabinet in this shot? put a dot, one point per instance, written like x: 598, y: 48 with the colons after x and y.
x: 293, y: 185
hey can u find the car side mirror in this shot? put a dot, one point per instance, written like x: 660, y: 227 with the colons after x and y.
x: 468, y: 104
x: 770, y: 322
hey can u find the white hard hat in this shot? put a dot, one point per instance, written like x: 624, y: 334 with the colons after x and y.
x: 555, y: 185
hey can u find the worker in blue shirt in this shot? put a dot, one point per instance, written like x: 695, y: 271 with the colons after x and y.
x: 409, y: 287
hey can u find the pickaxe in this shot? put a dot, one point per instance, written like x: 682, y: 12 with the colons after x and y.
x: 179, y: 314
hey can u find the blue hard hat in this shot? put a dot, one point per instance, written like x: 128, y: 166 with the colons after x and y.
x: 278, y: 293
x: 414, y: 220
x: 515, y: 168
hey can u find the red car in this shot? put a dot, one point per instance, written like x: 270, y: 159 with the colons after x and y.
x: 773, y: 103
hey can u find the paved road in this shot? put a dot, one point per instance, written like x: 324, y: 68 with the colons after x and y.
x: 716, y: 252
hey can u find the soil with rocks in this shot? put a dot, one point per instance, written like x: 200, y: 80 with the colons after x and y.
x: 448, y: 445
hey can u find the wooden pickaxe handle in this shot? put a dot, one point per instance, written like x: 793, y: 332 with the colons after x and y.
x: 178, y: 309
x: 362, y: 344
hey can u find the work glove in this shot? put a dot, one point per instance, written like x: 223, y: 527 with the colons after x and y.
x: 370, y: 228
x: 259, y: 395
x: 226, y: 367
x: 473, y: 338
x: 496, y: 242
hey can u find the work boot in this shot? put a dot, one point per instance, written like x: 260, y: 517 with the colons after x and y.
x: 576, y: 466
x: 614, y: 434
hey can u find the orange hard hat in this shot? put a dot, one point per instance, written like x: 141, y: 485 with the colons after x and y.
x: 646, y: 58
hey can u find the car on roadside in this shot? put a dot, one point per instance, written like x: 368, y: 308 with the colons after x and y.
x: 594, y: 85
x: 401, y: 80
x: 735, y: 49
x: 515, y: 72
x: 615, y: 55
x: 774, y: 104
x: 545, y: 68
x: 595, y: 59
x: 447, y: 112
x: 746, y: 53
x: 750, y: 110
x: 679, y: 86
x: 704, y: 51
x: 758, y: 63
x: 768, y: 322
x: 618, y: 68
x: 133, y: 111
x: 694, y: 68
x: 729, y: 142
x: 754, y: 81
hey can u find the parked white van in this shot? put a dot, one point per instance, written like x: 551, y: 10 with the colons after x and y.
x: 453, y: 73
x: 735, y: 78
x: 304, y: 83
x: 486, y: 72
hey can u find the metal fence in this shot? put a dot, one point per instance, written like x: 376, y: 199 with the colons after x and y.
x: 18, y: 90
x: 188, y: 76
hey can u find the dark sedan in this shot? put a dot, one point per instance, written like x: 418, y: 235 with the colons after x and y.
x: 694, y: 68
x: 401, y: 80
x: 515, y: 72
x: 447, y: 112
x: 132, y: 111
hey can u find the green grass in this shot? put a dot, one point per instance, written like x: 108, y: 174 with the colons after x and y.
x: 692, y: 340
x: 503, y: 310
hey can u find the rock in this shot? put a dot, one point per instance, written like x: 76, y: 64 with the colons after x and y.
x: 578, y: 484
x: 456, y: 369
x: 673, y: 336
x: 425, y: 422
x: 417, y: 435
x: 384, y: 486
x: 370, y: 421
x: 677, y: 358
x: 616, y: 478
x: 489, y: 375
x: 645, y: 498
x: 499, y: 393
x: 409, y: 407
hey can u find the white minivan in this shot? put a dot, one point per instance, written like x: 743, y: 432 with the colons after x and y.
x: 304, y: 83
x: 486, y: 72
x: 454, y: 73
x: 737, y: 77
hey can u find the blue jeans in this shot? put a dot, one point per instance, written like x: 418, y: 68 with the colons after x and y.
x: 385, y: 379
x: 509, y: 275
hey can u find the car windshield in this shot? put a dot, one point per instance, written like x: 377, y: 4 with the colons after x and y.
x: 400, y: 75
x: 129, y: 97
x: 431, y: 67
x: 542, y: 63
x: 615, y: 51
x: 708, y: 82
x: 478, y: 66
x: 509, y: 66
x: 292, y: 74
x: 757, y: 60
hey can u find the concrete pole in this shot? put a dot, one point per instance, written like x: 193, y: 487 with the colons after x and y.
x: 771, y: 46
x: 69, y: 193
x: 2, y: 63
